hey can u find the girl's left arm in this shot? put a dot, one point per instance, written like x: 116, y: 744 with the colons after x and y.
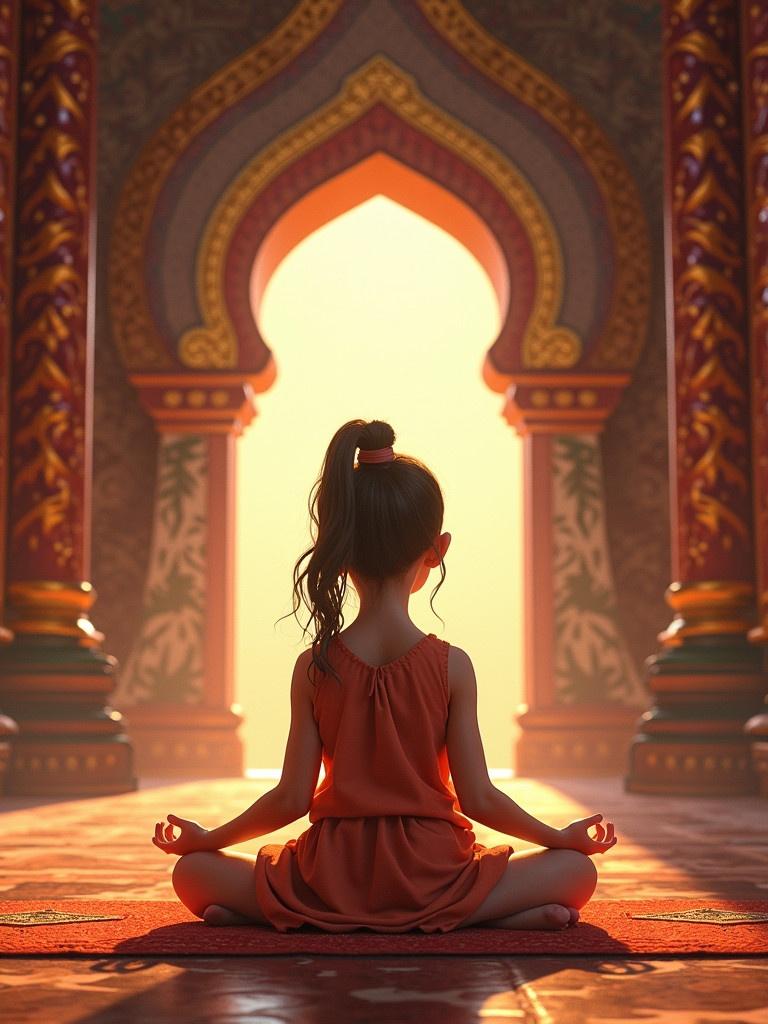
x: 291, y: 797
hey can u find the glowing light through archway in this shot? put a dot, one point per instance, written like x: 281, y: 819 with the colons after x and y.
x: 380, y: 314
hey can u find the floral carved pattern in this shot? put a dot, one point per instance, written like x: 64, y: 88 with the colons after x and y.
x: 701, y: 56
x: 48, y: 420
x: 133, y: 324
x: 166, y: 662
x: 755, y: 78
x: 592, y: 664
x: 8, y: 50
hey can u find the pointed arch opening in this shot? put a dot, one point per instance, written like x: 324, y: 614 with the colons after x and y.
x: 381, y: 174
x: 380, y: 292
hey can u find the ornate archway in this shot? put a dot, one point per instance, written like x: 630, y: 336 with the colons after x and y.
x: 560, y: 382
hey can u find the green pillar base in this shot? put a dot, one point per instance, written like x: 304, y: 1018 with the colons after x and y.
x: 70, y: 742
x: 692, y: 741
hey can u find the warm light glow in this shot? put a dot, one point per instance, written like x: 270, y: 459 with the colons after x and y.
x: 381, y: 315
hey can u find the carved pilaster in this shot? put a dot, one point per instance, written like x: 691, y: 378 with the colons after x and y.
x: 583, y: 692
x: 177, y: 688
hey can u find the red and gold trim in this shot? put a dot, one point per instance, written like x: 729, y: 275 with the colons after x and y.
x: 50, y: 412
x: 8, y: 70
x: 755, y: 85
x: 202, y: 403
x: 709, y: 402
x: 560, y: 403
x: 49, y: 608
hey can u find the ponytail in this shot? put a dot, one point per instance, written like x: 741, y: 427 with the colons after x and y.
x: 375, y: 518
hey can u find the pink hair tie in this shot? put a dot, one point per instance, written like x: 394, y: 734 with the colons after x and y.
x: 376, y: 455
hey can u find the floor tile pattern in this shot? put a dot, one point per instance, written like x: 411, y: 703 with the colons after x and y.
x: 100, y: 847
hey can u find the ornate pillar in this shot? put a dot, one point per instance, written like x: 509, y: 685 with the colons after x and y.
x: 8, y: 53
x: 754, y: 39
x: 583, y: 692
x: 707, y: 680
x: 54, y: 678
x: 177, y: 688
x: 8, y: 69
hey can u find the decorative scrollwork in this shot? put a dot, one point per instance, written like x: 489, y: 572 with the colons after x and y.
x: 135, y: 334
x: 380, y: 81
x: 701, y: 55
x: 624, y: 335
x: 51, y: 290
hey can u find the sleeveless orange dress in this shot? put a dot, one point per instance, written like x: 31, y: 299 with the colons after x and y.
x: 388, y: 847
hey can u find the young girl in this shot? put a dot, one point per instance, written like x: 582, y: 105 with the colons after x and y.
x: 390, y: 711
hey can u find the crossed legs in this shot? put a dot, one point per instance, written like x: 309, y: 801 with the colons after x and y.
x: 539, y: 889
x: 218, y: 886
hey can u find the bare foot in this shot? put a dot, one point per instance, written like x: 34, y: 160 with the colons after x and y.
x: 551, y: 916
x: 221, y: 916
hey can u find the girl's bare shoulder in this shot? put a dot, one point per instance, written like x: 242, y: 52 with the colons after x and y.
x: 461, y: 672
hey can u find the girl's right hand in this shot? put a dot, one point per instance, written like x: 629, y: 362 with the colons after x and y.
x: 576, y: 837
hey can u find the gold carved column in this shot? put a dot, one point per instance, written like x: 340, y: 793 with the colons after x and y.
x: 8, y: 68
x: 583, y: 692
x: 708, y: 679
x: 54, y: 678
x: 754, y: 40
x: 9, y: 14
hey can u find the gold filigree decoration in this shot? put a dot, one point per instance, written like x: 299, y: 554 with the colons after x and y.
x: 135, y: 333
x: 545, y: 345
x: 620, y: 345
x: 51, y: 286
x: 556, y: 349
x: 711, y: 358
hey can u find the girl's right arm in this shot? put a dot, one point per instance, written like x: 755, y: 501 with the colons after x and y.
x: 479, y: 799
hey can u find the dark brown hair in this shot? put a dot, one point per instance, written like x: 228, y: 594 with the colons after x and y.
x: 375, y: 518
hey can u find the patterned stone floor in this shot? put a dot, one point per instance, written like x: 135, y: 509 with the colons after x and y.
x: 100, y: 847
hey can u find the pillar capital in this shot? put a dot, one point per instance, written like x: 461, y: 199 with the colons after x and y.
x: 561, y: 403
x: 201, y: 403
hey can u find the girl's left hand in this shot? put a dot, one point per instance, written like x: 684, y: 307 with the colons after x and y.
x: 193, y: 836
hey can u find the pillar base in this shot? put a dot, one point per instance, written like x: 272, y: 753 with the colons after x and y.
x: 186, y: 741
x: 69, y: 742
x: 678, y: 767
x: 692, y: 742
x: 574, y: 740
x: 756, y: 730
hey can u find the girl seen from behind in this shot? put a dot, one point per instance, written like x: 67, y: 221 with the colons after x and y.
x: 391, y: 713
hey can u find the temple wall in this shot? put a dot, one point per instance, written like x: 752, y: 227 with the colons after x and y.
x: 606, y: 56
x: 151, y: 57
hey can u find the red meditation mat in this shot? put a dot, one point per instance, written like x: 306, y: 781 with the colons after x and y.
x: 168, y: 928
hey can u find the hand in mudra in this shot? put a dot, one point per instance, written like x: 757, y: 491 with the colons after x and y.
x: 193, y: 836
x: 576, y: 835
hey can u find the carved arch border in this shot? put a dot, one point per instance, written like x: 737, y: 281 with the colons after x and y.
x: 625, y: 328
x: 136, y: 334
x: 619, y: 346
x: 379, y: 109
